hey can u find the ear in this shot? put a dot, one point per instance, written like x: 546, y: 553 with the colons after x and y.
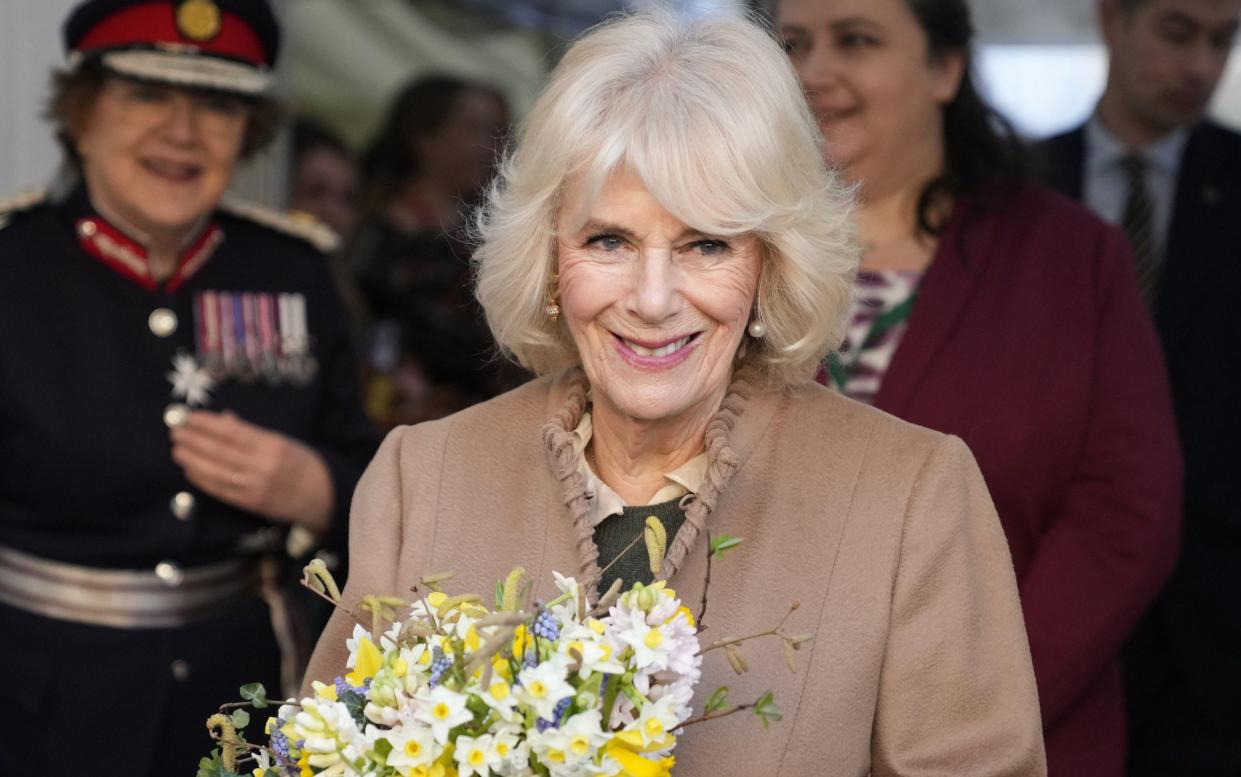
x: 947, y: 70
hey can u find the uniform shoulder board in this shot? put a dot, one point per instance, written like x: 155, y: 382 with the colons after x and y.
x: 296, y: 223
x: 19, y: 202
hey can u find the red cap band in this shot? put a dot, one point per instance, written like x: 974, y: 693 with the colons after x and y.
x: 155, y: 23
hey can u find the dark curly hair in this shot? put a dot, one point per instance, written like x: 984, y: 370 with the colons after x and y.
x: 981, y: 149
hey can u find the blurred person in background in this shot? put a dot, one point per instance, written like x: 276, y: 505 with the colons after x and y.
x: 1149, y: 161
x: 993, y: 310
x: 430, y: 353
x: 324, y: 179
x: 178, y: 407
x: 324, y: 182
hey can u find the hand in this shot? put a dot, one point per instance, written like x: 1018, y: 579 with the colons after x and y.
x: 255, y: 469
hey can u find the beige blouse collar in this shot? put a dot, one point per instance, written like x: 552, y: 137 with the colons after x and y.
x: 685, y: 479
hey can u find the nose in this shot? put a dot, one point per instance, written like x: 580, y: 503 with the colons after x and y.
x: 181, y: 125
x: 818, y: 69
x: 656, y: 294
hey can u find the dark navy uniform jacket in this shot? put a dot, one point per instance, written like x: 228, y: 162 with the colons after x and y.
x: 89, y: 358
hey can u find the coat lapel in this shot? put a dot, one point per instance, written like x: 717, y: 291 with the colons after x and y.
x: 943, y: 298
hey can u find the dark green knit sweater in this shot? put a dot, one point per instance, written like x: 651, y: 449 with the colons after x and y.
x: 616, y: 532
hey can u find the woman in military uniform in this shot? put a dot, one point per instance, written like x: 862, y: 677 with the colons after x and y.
x: 177, y: 400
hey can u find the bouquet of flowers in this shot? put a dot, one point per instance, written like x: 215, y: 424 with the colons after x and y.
x: 561, y: 688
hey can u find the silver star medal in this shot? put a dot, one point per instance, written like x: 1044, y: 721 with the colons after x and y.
x: 190, y: 381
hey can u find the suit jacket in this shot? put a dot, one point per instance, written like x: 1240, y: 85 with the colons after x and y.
x: 882, y: 531
x: 1029, y: 341
x: 1183, y: 676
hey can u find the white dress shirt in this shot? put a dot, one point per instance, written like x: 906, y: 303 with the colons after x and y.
x: 1105, y: 185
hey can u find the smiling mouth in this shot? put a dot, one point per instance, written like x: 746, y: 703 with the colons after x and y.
x: 172, y: 171
x: 657, y: 350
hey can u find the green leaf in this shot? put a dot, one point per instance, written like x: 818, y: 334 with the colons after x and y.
x: 382, y: 748
x: 214, y: 767
x: 256, y: 694
x: 766, y: 710
x: 354, y: 702
x: 499, y: 593
x: 717, y: 701
x: 723, y: 542
x: 241, y: 719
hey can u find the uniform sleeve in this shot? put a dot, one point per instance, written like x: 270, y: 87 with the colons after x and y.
x: 956, y: 691
x: 374, y: 553
x: 1113, y: 543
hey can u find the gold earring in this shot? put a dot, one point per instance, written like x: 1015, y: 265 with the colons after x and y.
x: 550, y: 307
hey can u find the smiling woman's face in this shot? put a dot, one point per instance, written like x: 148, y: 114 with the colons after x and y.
x: 656, y: 308
x: 158, y: 157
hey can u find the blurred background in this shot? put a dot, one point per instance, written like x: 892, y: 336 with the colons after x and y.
x: 1041, y: 63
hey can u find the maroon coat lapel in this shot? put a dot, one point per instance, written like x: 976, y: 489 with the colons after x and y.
x: 950, y: 282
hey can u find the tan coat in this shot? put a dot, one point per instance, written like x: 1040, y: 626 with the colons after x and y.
x: 882, y: 531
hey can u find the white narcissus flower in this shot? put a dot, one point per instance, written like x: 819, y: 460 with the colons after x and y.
x: 499, y: 696
x: 511, y: 749
x: 657, y: 719
x: 442, y: 709
x: 475, y: 756
x: 543, y: 686
x: 650, y: 644
x: 596, y: 651
x: 413, y: 746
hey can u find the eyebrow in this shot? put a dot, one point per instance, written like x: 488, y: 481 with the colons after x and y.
x: 1173, y: 16
x: 600, y: 227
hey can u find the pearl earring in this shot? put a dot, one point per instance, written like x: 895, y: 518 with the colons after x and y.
x: 757, y: 329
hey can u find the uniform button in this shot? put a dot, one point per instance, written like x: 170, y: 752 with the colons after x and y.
x: 87, y: 228
x: 183, y: 505
x: 180, y: 670
x: 169, y: 573
x: 162, y: 321
x: 176, y: 415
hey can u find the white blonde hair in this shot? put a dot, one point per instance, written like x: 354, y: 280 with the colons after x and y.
x: 709, y: 114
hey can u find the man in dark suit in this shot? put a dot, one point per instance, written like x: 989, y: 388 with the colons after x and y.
x: 1149, y: 161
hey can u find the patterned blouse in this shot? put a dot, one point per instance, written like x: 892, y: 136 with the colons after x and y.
x: 876, y: 293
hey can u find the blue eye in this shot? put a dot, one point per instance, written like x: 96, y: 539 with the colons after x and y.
x: 711, y: 247
x: 606, y: 242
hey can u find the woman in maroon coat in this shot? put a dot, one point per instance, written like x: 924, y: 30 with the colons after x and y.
x: 1010, y: 317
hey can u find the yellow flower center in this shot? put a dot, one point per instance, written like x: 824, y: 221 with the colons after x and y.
x: 400, y: 667
x: 413, y: 749
x: 579, y: 746
x: 654, y: 728
x: 441, y: 711
x: 537, y: 689
x: 476, y: 757
x: 653, y: 639
x: 596, y: 626
x: 555, y: 756
x: 502, y: 749
x: 498, y: 691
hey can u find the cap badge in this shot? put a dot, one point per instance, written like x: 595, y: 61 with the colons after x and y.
x: 198, y: 20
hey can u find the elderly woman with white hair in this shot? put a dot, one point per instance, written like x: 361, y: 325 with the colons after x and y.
x: 664, y: 247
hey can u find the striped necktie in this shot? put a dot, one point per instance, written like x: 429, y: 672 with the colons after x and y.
x: 1138, y: 223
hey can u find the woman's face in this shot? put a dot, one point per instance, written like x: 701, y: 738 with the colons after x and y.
x: 158, y: 157
x: 462, y: 154
x: 656, y: 309
x: 869, y: 79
